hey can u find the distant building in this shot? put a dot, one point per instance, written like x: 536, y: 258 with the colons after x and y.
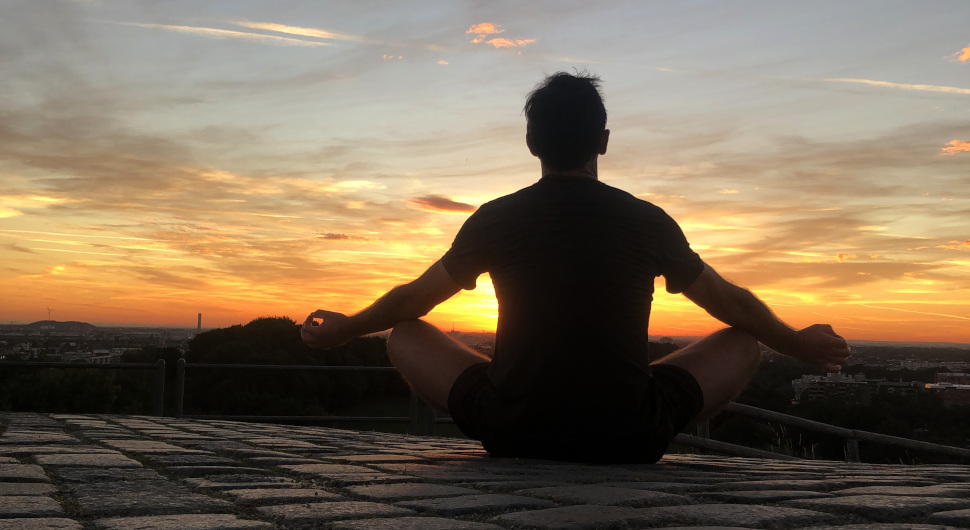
x: 850, y: 389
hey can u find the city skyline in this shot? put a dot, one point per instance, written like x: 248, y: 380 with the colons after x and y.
x: 244, y: 159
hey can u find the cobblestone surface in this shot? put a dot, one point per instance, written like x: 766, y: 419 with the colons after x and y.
x: 87, y: 472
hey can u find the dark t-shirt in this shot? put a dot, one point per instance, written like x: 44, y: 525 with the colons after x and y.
x: 573, y: 263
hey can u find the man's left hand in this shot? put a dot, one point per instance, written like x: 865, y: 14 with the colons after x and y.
x: 332, y: 331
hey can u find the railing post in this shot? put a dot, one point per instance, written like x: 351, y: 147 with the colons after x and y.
x: 704, y: 429
x: 159, y: 393
x: 430, y: 418
x: 852, y: 450
x: 179, y: 387
x: 413, y: 408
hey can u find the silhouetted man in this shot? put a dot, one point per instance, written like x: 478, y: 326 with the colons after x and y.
x: 573, y: 263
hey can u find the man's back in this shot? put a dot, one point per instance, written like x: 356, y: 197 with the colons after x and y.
x: 573, y: 263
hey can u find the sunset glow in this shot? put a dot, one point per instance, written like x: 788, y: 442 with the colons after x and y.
x: 238, y: 159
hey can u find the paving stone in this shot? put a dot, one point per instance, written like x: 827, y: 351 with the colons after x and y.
x: 106, y: 474
x: 182, y: 522
x: 939, y: 490
x: 22, y: 473
x: 344, y: 473
x: 377, y: 458
x: 408, y: 490
x: 51, y: 449
x: 578, y: 517
x: 880, y: 526
x: 190, y: 460
x: 605, y: 495
x: 959, y: 518
x: 8, y: 460
x: 25, y: 488
x: 882, y: 508
x: 100, y: 460
x: 28, y: 506
x: 241, y: 481
x: 487, y: 502
x: 268, y: 496
x: 39, y: 523
x: 315, y: 512
x: 142, y: 498
x: 757, y: 497
x: 208, y: 471
x: 733, y: 515
x: 413, y: 523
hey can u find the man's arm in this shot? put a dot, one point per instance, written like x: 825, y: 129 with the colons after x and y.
x: 404, y: 302
x: 818, y: 345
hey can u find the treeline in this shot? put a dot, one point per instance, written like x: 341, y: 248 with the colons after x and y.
x: 215, y: 391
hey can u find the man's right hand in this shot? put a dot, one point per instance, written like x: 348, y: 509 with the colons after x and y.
x: 332, y: 331
x: 821, y: 347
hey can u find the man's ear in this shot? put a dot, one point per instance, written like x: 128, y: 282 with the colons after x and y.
x: 528, y: 142
x: 604, y: 139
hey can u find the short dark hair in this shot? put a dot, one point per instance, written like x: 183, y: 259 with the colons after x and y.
x: 565, y: 118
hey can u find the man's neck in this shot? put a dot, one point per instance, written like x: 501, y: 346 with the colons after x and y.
x: 588, y: 170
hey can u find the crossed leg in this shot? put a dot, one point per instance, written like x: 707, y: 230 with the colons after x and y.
x: 722, y: 363
x: 429, y: 360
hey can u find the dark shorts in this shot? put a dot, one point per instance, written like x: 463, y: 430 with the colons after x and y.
x: 676, y: 399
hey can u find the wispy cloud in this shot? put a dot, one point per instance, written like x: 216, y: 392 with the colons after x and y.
x: 484, y: 30
x: 956, y: 146
x: 440, y: 203
x: 961, y: 56
x: 900, y: 86
x: 215, y: 33
x: 298, y: 30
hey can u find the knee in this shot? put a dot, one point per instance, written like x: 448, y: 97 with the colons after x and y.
x: 398, y: 340
x: 745, y: 347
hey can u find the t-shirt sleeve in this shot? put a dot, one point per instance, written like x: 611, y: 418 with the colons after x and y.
x: 681, y: 265
x: 465, y: 261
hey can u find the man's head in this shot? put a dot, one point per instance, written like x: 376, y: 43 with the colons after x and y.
x: 566, y: 119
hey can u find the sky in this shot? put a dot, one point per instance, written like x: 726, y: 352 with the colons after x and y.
x: 243, y: 159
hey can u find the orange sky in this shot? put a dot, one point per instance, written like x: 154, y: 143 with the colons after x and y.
x: 242, y: 162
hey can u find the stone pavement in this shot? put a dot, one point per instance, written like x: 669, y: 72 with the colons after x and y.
x: 126, y: 472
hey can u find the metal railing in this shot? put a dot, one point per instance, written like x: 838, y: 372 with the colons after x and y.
x: 422, y: 418
x: 158, y: 389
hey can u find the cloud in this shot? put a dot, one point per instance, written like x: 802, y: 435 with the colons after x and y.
x: 297, y: 30
x: 956, y: 146
x: 961, y: 56
x: 331, y: 236
x: 440, y: 203
x: 900, y: 86
x: 955, y: 245
x: 443, y: 62
x: 215, y: 33
x: 483, y: 30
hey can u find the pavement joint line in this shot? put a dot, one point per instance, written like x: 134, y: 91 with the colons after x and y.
x: 186, y: 470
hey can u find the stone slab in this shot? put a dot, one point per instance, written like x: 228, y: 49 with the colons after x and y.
x: 488, y: 502
x: 408, y: 490
x: 102, y: 499
x: 413, y: 523
x: 40, y: 523
x: 578, y: 517
x: 79, y: 475
x: 315, y: 512
x: 733, y: 515
x: 29, y: 506
x: 182, y: 522
x: 606, y: 496
x: 882, y: 508
x: 269, y: 496
x: 757, y: 497
x: 241, y: 481
x: 22, y: 473
x: 959, y: 518
x: 25, y: 488
x: 99, y: 460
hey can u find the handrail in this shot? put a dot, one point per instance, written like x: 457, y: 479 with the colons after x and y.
x: 852, y: 436
x: 421, y: 417
x: 420, y: 413
x: 158, y: 390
